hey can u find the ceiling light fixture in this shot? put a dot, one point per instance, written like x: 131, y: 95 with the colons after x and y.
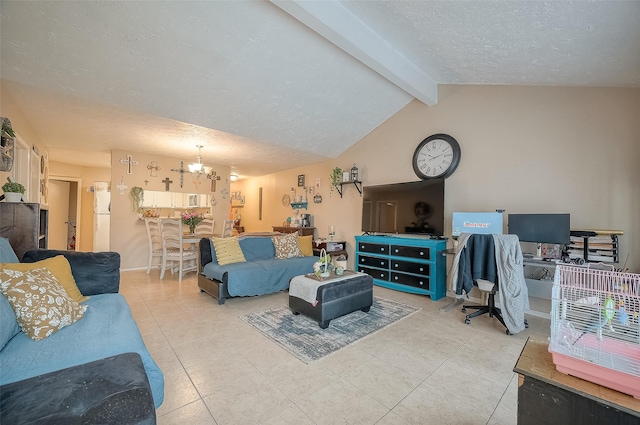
x: 233, y: 177
x: 197, y: 167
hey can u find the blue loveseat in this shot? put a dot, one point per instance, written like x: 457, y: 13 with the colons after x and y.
x: 261, y: 273
x: 107, y: 328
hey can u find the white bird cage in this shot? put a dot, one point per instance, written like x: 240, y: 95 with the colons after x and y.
x: 595, y: 328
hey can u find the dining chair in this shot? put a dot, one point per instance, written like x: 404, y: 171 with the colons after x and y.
x: 205, y: 227
x: 174, y: 255
x: 227, y: 229
x: 154, y: 239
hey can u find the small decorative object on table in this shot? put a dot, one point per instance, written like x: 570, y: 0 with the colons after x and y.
x: 322, y: 267
x: 191, y: 220
x: 340, y: 262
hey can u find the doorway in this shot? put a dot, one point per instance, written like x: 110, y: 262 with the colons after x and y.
x: 64, y: 213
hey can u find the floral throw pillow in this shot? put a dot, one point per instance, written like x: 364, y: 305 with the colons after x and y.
x: 41, y: 304
x: 287, y: 246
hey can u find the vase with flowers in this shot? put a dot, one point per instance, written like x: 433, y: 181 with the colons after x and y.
x: 191, y: 220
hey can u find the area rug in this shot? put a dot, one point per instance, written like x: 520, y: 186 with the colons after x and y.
x: 303, y: 338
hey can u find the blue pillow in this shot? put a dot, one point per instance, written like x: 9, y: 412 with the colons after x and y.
x: 257, y: 248
x: 8, y: 322
x: 6, y: 252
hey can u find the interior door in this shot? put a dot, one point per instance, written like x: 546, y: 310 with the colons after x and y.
x: 58, y: 214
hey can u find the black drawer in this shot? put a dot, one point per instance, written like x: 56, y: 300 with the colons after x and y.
x: 409, y: 267
x: 376, y: 274
x: 364, y: 260
x: 411, y: 251
x: 373, y: 248
x: 407, y: 279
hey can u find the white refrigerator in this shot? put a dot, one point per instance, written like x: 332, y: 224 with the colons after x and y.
x: 101, y: 220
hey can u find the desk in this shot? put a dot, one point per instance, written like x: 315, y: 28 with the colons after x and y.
x: 546, y: 396
x: 194, y: 240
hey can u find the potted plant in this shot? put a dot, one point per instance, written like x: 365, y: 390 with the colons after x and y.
x: 7, y: 131
x: 137, y: 196
x: 13, y: 191
x: 7, y: 145
x: 336, y: 178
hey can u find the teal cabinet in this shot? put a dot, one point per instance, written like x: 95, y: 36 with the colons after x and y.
x: 405, y: 264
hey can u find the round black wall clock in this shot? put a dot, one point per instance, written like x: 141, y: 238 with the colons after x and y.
x: 436, y: 157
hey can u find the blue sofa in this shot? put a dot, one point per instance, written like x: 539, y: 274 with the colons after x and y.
x: 261, y: 273
x: 107, y: 328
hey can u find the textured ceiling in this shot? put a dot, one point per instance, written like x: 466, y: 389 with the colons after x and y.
x: 247, y: 79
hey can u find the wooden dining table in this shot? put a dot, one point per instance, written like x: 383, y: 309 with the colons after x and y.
x: 194, y: 240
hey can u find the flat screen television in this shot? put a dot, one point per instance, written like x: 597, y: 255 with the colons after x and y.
x: 404, y: 208
x: 540, y: 228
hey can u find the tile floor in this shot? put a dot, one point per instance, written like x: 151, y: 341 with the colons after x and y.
x: 429, y: 368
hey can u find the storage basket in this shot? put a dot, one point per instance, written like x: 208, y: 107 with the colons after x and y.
x: 595, y: 331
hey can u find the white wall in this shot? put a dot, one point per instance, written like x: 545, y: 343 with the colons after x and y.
x: 524, y: 149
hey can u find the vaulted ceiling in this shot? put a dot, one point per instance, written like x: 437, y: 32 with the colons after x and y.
x: 269, y: 85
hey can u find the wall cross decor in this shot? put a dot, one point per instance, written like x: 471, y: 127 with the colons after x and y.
x: 167, y: 182
x: 196, y: 182
x: 182, y: 171
x: 213, y: 177
x: 129, y: 162
x: 153, y: 168
x: 146, y: 182
x: 121, y: 186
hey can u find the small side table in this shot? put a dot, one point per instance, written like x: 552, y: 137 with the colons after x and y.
x: 333, y: 248
x: 546, y: 396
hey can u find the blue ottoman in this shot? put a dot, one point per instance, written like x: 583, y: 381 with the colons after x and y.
x: 333, y: 298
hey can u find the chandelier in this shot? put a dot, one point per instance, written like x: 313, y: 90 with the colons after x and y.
x: 197, y: 167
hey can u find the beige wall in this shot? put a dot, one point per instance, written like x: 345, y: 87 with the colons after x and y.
x: 128, y: 234
x: 524, y: 149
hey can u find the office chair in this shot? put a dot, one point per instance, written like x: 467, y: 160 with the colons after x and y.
x: 483, y: 263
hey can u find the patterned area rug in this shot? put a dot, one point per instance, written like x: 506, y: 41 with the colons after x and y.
x: 303, y: 338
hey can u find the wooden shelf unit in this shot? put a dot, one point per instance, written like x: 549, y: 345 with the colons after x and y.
x: 25, y: 224
x: 302, y: 231
x: 595, y: 245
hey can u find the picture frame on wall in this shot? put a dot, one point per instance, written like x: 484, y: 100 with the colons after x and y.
x: 345, y: 176
x: 301, y: 180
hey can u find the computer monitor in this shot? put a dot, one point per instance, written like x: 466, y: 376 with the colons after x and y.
x: 476, y: 222
x: 540, y: 228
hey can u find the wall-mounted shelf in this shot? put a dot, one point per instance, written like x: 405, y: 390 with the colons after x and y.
x: 299, y: 205
x: 356, y: 183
